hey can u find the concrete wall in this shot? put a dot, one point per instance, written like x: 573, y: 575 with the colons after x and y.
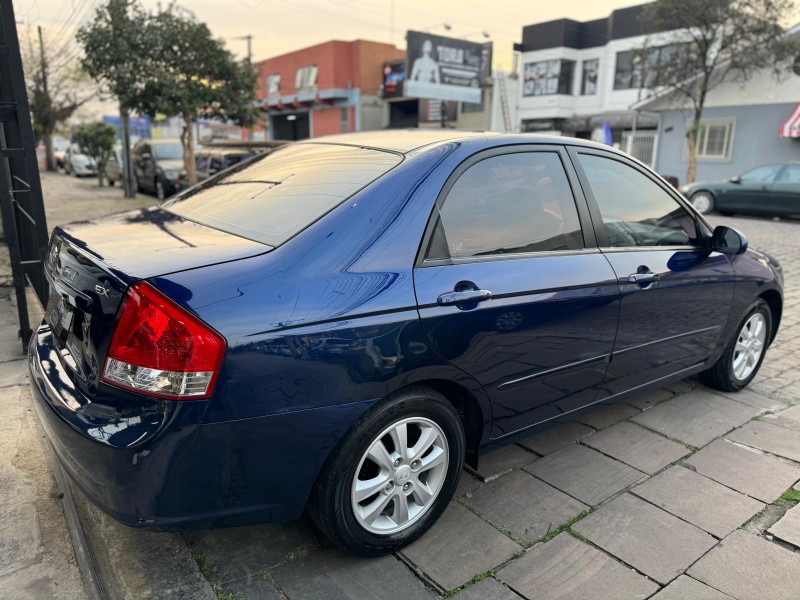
x: 756, y: 140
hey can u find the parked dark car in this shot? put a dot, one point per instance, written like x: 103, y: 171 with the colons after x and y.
x: 211, y: 161
x: 113, y: 169
x: 156, y: 165
x: 336, y: 327
x: 768, y: 190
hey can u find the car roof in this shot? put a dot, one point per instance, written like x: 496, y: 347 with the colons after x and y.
x: 407, y: 140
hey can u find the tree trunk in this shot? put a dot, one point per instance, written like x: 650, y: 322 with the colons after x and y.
x: 691, y: 152
x: 128, y: 179
x: 187, y: 139
x: 47, y: 137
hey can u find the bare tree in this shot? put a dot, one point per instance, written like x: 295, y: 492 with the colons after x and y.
x: 709, y: 42
x: 55, y: 91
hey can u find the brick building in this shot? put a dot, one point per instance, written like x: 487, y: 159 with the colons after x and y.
x: 332, y: 87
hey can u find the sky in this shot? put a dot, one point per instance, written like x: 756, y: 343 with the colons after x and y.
x: 280, y: 26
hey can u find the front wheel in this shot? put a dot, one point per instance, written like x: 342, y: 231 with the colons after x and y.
x: 745, y: 352
x: 392, y: 475
x: 703, y: 202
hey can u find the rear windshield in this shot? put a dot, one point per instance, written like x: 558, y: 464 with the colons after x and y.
x: 276, y: 197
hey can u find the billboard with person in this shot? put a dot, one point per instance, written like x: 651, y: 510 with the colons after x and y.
x: 444, y: 68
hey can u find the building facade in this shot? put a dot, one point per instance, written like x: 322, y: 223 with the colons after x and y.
x: 329, y: 88
x: 740, y: 128
x: 580, y: 78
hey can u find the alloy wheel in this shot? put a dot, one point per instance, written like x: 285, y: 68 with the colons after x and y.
x: 400, y: 475
x: 749, y: 346
x: 702, y: 202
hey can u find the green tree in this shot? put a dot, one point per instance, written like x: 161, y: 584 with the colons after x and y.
x: 116, y: 47
x: 192, y: 75
x: 707, y: 43
x: 97, y: 140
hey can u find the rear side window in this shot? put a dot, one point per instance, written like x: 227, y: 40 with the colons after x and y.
x: 278, y: 196
x: 636, y: 211
x: 512, y: 203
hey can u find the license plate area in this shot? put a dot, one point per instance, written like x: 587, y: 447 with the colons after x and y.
x: 60, y: 316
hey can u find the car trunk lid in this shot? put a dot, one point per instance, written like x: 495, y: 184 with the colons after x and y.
x: 90, y: 265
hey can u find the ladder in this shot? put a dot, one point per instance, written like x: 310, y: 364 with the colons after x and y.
x: 501, y: 82
x: 21, y: 206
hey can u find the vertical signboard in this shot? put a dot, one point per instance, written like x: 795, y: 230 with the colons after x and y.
x: 394, y: 76
x: 444, y: 68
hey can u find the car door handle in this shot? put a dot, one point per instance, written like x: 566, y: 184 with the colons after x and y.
x: 449, y: 298
x: 641, y: 278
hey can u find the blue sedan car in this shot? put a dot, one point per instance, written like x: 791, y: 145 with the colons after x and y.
x: 335, y: 328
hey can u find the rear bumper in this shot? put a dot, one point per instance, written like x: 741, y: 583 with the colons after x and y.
x: 159, y: 466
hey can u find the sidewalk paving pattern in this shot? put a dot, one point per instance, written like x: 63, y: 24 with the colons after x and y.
x: 660, y: 497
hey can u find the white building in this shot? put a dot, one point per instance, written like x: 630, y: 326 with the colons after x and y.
x: 574, y: 77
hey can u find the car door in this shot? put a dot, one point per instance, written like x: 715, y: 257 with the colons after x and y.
x: 511, y: 292
x: 751, y: 192
x: 675, y: 293
x: 785, y: 196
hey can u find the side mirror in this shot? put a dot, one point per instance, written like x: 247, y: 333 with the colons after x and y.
x: 728, y: 240
x: 736, y: 179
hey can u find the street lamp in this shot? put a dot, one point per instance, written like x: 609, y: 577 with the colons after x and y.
x: 485, y: 35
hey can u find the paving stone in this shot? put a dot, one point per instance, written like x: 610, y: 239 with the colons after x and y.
x: 756, y: 399
x: 771, y: 438
x: 334, y: 575
x: 524, y: 505
x: 567, y: 568
x: 488, y: 589
x: 699, y: 500
x: 467, y: 484
x: 637, y: 446
x: 494, y: 464
x: 239, y: 552
x: 459, y: 546
x: 13, y: 372
x: 650, y: 399
x: 789, y: 418
x: 253, y: 586
x: 607, y: 415
x: 584, y: 474
x: 745, y: 470
x: 682, y: 386
x: 551, y: 440
x: 748, y: 567
x: 649, y: 539
x: 696, y: 418
x: 686, y: 588
x: 788, y: 528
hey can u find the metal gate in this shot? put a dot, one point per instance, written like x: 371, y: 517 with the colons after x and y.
x: 24, y: 226
x: 640, y: 144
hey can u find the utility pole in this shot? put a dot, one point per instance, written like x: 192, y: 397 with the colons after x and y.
x: 48, y: 139
x: 128, y: 179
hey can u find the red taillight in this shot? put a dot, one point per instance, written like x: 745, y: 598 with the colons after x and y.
x: 160, y: 349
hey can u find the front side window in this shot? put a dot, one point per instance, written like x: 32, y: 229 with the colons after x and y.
x: 548, y: 77
x: 765, y: 174
x: 636, y: 211
x: 507, y: 204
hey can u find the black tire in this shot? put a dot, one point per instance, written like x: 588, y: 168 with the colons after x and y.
x: 111, y: 182
x: 160, y: 190
x: 721, y: 375
x: 331, y: 507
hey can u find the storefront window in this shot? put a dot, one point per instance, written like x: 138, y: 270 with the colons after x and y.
x: 548, y: 77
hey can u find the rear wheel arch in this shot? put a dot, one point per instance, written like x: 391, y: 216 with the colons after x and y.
x: 468, y: 408
x: 775, y: 303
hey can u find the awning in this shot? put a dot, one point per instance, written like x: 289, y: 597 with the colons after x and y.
x: 791, y: 128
